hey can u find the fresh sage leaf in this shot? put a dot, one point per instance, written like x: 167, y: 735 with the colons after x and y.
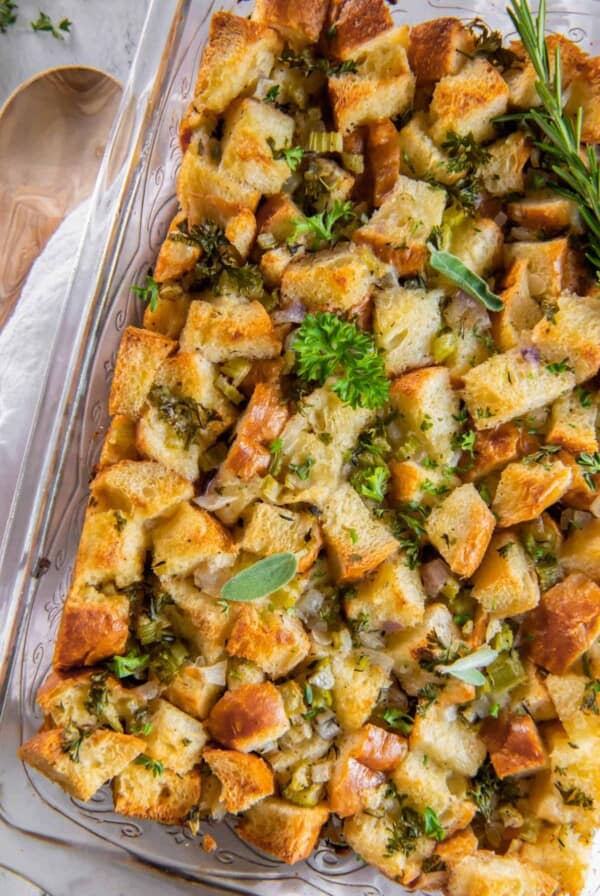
x: 467, y: 668
x: 453, y: 268
x: 262, y: 578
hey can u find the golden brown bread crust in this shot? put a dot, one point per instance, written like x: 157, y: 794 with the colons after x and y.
x: 249, y: 717
x: 283, y: 830
x: 525, y: 490
x: 139, y: 357
x: 437, y: 48
x: 353, y: 23
x: 565, y: 624
x: 175, y: 258
x: 166, y: 797
x: 298, y: 23
x: 245, y: 779
x: 119, y: 442
x: 383, y: 154
x: 142, y: 489
x: 93, y: 627
x: 274, y: 641
x: 261, y: 423
x: 363, y: 759
x: 514, y: 745
x: 493, y: 449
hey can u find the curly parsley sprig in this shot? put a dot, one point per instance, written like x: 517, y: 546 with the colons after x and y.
x: 326, y: 346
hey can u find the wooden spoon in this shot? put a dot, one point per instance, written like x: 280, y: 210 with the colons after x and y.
x: 53, y: 132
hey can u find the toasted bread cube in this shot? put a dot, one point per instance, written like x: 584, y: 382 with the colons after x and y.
x: 166, y: 797
x: 460, y: 527
x: 581, y: 550
x: 438, y: 48
x: 514, y: 744
x: 506, y: 583
x: 198, y: 618
x: 283, y: 830
x: 522, y: 77
x: 356, y: 542
x: 112, y: 549
x: 334, y: 280
x: 544, y: 210
x: 238, y: 53
x: 411, y: 481
x: 246, y: 153
x: 471, y: 343
x: 168, y: 318
x: 194, y: 691
x: 576, y: 702
x: 275, y: 641
x: 237, y: 222
x: 119, y: 442
x: 369, y: 836
x: 298, y: 25
x: 503, y: 172
x: 572, y: 333
x: 585, y: 89
x: 271, y: 530
x: 352, y: 786
x: 573, y: 424
x: 511, y: 385
x: 493, y: 449
x: 581, y: 493
x: 398, y: 231
x: 375, y: 748
x: 466, y: 103
x: 533, y: 694
x: 405, y: 323
x: 565, y: 623
x: 520, y: 311
x: 244, y: 779
x: 175, y: 258
x: 420, y: 156
x: 187, y: 539
x: 69, y: 699
x: 478, y: 243
x: 443, y: 737
x: 248, y: 718
x: 141, y: 489
x: 451, y: 851
x: 547, y: 264
x: 199, y: 176
x: 427, y: 408
x: 409, y: 647
x: 101, y: 755
x: 277, y: 216
x: 272, y: 264
x: 355, y: 22
x: 228, y: 328
x: 428, y: 785
x: 525, y: 490
x: 391, y: 598
x: 383, y: 87
x: 175, y: 739
x: 93, y: 627
x: 356, y: 689
x: 561, y: 852
x: 140, y: 355
x: 383, y: 158
x: 487, y: 874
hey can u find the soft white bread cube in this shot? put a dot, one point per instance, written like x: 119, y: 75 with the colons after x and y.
x: 273, y: 530
x: 411, y: 481
x: 227, y: 327
x: 175, y: 257
x: 576, y: 702
x: 356, y: 542
x: 353, y: 23
x: 544, y: 210
x: 238, y: 53
x: 166, y: 797
x: 198, y: 618
x: 427, y: 786
x: 405, y: 323
x: 391, y: 598
x: 383, y: 86
x: 438, y: 48
x: 187, y: 539
x: 441, y: 735
x: 493, y: 449
x: 520, y: 313
x: 249, y: 717
x: 199, y: 175
x: 427, y: 409
x: 514, y: 744
x: 298, y: 24
x: 470, y: 326
x: 511, y: 385
x: 70, y: 699
x: 419, y: 156
x: 356, y: 689
x: 369, y: 836
x: 584, y: 93
x: 175, y: 739
x: 93, y: 627
x: 487, y: 874
x: 283, y: 830
x: 141, y: 489
x: 466, y: 103
x: 506, y: 583
x: 580, y: 551
x: 112, y: 548
x: 573, y: 424
x: 409, y: 647
x: 139, y: 357
x: 398, y: 231
x: 245, y: 779
x: 460, y: 527
x: 246, y: 153
x: 573, y: 333
x: 503, y: 172
x: 565, y: 623
x: 101, y: 755
x: 561, y: 852
x: 275, y: 641
x: 525, y: 490
x: 119, y: 442
x: 337, y: 279
x: 547, y: 264
x: 478, y: 243
x: 194, y: 691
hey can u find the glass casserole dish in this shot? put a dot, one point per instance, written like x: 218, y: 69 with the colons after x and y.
x: 132, y: 205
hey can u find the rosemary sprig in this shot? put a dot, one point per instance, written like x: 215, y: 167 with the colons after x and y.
x: 578, y: 180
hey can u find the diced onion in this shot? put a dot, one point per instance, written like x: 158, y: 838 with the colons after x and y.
x: 434, y: 575
x: 291, y: 314
x: 326, y: 725
x: 354, y: 162
x: 325, y: 141
x: 372, y: 640
x: 270, y: 489
x: 575, y: 518
x: 379, y: 658
x: 321, y: 771
x: 216, y: 674
x: 212, y: 501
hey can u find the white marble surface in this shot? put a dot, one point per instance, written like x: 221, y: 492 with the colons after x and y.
x: 104, y: 35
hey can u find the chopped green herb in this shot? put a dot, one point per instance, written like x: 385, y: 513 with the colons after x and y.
x: 541, y: 456
x: 371, y: 482
x: 132, y: 663
x: 153, y: 765
x: 272, y: 94
x: 292, y: 155
x: 310, y: 63
x: 590, y: 466
x: 72, y: 738
x: 185, y: 416
x: 120, y: 521
x: 7, y: 14
x: 262, y: 578
x: 574, y: 796
x: 559, y: 366
x: 433, y: 827
x: 302, y: 471
x: 453, y: 268
x: 325, y: 226
x: 465, y: 153
x: 398, y: 719
x: 45, y: 23
x: 585, y: 397
x: 405, y: 832
x: 505, y: 549
x: 275, y: 449
x: 465, y: 441
x: 148, y: 293
x: 589, y: 701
